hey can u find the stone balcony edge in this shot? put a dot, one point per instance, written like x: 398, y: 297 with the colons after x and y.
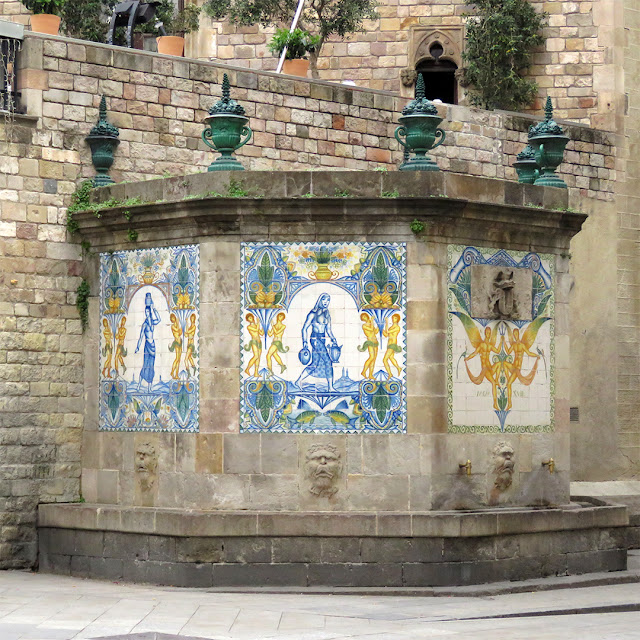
x: 186, y: 523
x: 185, y: 205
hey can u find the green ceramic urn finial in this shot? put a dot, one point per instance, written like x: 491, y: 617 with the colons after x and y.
x: 225, y: 125
x: 526, y: 165
x: 548, y: 141
x: 548, y: 109
x: 419, y: 128
x: 103, y: 140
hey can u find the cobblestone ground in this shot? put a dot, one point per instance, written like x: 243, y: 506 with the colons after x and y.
x: 45, y: 607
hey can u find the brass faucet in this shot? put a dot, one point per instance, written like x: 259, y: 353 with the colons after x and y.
x: 549, y: 463
x: 466, y: 465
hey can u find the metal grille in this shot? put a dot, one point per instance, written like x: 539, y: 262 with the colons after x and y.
x: 9, y: 96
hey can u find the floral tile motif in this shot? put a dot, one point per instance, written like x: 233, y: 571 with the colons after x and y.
x: 500, y: 371
x: 323, y: 337
x: 149, y: 323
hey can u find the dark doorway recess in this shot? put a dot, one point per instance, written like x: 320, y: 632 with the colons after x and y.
x: 439, y: 76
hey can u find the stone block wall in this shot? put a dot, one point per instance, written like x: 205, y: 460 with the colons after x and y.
x: 159, y: 105
x: 14, y: 11
x: 571, y: 68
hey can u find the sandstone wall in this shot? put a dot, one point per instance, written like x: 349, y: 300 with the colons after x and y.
x: 575, y: 67
x: 159, y: 104
x: 565, y: 69
x: 14, y: 11
x: 628, y: 266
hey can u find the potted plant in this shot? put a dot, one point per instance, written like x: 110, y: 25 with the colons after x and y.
x: 46, y: 15
x: 298, y: 44
x: 327, y: 18
x: 176, y: 25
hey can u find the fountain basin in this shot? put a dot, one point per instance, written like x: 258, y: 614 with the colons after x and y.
x: 191, y: 548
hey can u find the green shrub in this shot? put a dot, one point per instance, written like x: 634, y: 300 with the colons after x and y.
x: 54, y: 7
x: 501, y: 36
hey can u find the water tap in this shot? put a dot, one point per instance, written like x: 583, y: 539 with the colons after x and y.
x: 466, y: 465
x: 549, y: 463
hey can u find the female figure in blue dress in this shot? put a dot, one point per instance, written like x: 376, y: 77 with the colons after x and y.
x: 315, y: 331
x: 151, y: 319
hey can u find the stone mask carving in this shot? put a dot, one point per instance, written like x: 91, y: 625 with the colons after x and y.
x: 503, y: 466
x: 146, y: 459
x: 323, y: 467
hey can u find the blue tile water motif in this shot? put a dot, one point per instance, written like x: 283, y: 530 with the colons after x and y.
x: 323, y: 346
x: 149, y: 324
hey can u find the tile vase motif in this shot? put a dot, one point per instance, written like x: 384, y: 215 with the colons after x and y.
x: 149, y: 324
x: 323, y: 346
x: 500, y: 371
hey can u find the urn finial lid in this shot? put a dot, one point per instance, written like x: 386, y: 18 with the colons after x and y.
x: 548, y: 127
x: 226, y: 104
x: 527, y: 153
x: 420, y: 104
x: 104, y: 128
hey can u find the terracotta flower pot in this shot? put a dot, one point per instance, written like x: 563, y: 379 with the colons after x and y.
x: 171, y: 45
x: 296, y: 67
x: 45, y: 23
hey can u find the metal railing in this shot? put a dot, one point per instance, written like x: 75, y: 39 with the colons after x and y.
x: 9, y: 95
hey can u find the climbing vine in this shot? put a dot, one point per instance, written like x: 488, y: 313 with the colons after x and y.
x: 501, y: 37
x: 82, y: 302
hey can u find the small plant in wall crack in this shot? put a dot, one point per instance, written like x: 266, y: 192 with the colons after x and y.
x: 236, y: 190
x: 82, y: 302
x: 132, y: 235
x: 417, y: 226
x: 391, y: 194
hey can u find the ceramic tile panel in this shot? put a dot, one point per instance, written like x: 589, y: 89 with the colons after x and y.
x: 323, y: 337
x: 500, y: 371
x: 149, y: 323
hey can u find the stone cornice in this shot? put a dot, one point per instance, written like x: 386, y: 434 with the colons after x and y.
x: 304, y: 205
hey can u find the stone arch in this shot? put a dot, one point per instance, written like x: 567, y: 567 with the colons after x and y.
x: 435, y: 51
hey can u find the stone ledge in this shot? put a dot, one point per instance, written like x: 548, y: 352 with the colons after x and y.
x: 459, y: 208
x: 124, y: 52
x: 184, y: 523
x: 387, y: 185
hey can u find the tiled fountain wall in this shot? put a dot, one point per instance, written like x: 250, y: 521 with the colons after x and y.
x: 342, y: 363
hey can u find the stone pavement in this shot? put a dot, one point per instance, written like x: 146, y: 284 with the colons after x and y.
x: 47, y: 607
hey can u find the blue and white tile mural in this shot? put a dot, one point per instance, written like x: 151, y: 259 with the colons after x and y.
x: 323, y: 337
x: 149, y: 321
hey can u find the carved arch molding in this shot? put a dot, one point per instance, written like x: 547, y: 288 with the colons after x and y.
x: 422, y: 38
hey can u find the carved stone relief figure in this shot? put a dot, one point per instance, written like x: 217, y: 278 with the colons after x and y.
x: 323, y: 467
x: 501, y: 295
x: 503, y: 467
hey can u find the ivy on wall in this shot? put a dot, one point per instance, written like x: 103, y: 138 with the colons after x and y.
x: 501, y: 38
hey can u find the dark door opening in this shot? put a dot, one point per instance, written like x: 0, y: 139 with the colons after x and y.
x: 439, y: 80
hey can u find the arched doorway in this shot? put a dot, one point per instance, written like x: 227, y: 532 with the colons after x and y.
x: 439, y: 75
x: 435, y: 51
